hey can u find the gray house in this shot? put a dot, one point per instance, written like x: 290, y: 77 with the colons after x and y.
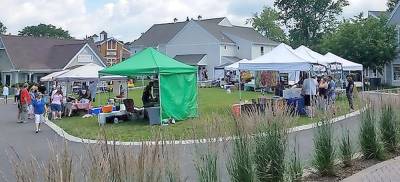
x: 391, y: 72
x: 27, y: 59
x: 209, y: 43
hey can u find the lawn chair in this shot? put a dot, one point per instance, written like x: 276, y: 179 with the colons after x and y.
x: 131, y: 109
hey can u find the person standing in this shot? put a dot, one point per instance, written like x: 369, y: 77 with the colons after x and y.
x: 331, y: 93
x: 322, y: 93
x: 309, y: 91
x: 56, y: 104
x: 93, y: 90
x: 349, y: 91
x: 5, y: 93
x: 25, y: 100
x: 39, y: 107
x: 17, y: 91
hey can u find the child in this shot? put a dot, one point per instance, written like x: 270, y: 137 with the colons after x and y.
x: 39, y: 107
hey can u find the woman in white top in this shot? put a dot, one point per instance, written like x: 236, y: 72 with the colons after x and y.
x: 5, y: 93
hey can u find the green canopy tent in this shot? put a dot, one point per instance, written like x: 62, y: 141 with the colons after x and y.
x: 177, y: 81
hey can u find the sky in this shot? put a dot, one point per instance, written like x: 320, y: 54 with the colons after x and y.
x: 127, y: 19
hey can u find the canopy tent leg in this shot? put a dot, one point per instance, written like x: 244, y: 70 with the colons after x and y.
x: 159, y: 96
x: 362, y: 80
x: 240, y: 93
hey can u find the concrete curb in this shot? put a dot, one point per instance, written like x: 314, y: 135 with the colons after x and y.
x: 71, y: 138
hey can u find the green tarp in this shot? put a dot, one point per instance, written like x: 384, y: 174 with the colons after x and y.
x: 178, y: 81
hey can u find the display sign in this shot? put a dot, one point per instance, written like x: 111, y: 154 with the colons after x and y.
x: 284, y: 77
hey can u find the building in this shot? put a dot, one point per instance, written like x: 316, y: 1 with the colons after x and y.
x: 27, y: 59
x: 391, y: 71
x: 112, y: 50
x: 210, y: 43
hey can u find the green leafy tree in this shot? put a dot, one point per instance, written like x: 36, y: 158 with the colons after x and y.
x: 308, y: 20
x: 369, y: 41
x: 391, y: 4
x: 268, y: 24
x: 43, y: 30
x: 3, y: 28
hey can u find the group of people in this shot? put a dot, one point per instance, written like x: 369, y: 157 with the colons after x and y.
x: 321, y: 92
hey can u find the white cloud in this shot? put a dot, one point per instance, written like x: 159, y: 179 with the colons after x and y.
x: 126, y: 19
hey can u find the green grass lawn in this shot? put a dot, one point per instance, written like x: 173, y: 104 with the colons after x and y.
x: 211, y: 100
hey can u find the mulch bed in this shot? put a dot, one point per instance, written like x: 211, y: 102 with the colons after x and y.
x: 359, y: 164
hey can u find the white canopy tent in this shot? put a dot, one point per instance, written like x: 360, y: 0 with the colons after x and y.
x: 50, y: 77
x: 346, y: 64
x: 89, y: 72
x: 235, y: 66
x: 312, y: 55
x: 281, y: 58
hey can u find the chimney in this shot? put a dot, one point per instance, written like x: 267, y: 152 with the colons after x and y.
x: 175, y: 20
x: 103, y: 35
x: 199, y: 17
x: 187, y: 18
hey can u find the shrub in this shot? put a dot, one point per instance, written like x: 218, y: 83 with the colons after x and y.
x: 240, y: 165
x: 269, y: 154
x: 324, y: 152
x: 370, y: 146
x: 346, y: 150
x: 388, y: 128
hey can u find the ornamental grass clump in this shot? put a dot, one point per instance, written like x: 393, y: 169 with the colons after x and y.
x: 269, y: 155
x: 346, y: 149
x: 324, y: 151
x: 294, y: 167
x: 388, y: 128
x: 240, y: 164
x: 370, y: 146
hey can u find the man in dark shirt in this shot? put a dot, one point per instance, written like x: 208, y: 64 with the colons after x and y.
x: 349, y: 91
x: 147, y: 97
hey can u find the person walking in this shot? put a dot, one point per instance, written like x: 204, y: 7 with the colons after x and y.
x: 39, y: 107
x: 17, y: 91
x: 322, y: 93
x: 56, y: 100
x: 5, y: 93
x: 349, y: 91
x: 331, y: 93
x: 25, y: 100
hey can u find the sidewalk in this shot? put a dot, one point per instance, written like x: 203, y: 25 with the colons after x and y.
x: 383, y: 172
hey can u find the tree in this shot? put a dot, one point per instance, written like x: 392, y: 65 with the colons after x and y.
x: 308, y: 20
x: 3, y: 28
x: 43, y: 30
x: 369, y: 41
x: 391, y: 5
x: 267, y: 23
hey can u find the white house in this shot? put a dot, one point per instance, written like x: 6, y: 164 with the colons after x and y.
x: 391, y: 72
x: 209, y: 43
x: 27, y: 59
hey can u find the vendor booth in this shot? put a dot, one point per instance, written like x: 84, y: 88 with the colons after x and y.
x: 174, y: 82
x: 348, y: 67
x: 283, y: 59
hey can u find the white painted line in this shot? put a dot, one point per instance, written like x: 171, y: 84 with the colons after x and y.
x: 71, y: 138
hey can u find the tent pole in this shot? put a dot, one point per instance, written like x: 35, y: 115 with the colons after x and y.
x: 159, y: 96
x: 311, y: 96
x: 362, y: 80
x: 240, y: 93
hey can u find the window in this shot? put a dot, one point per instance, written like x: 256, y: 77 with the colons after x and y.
x: 111, y: 45
x: 262, y: 50
x: 225, y: 47
x: 111, y: 61
x: 396, y: 72
x: 238, y: 47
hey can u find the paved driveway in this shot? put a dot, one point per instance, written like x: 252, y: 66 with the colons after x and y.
x: 27, y: 143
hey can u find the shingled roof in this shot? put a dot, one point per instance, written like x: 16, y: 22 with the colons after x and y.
x: 36, y: 53
x: 163, y: 33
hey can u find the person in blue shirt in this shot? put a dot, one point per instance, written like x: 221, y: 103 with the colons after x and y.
x: 39, y: 108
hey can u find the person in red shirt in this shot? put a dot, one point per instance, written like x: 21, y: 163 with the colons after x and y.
x: 25, y: 100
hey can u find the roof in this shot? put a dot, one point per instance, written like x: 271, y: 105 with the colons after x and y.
x: 103, y: 32
x: 231, y: 59
x: 163, y: 33
x: 377, y: 14
x: 146, y: 62
x: 190, y: 59
x: 394, y: 17
x: 30, y: 53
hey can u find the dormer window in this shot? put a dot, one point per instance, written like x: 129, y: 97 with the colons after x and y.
x: 225, y: 47
x: 111, y: 45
